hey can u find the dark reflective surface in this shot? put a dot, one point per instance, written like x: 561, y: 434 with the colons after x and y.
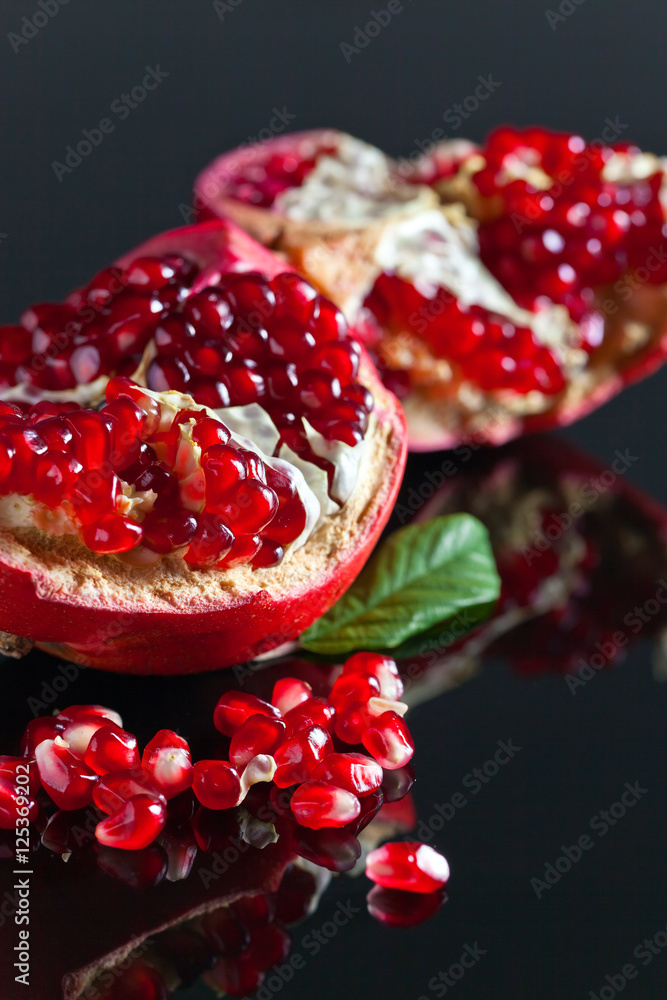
x: 579, y: 746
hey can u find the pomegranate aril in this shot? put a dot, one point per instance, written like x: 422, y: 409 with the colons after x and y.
x: 312, y: 712
x: 258, y: 734
x: 352, y: 722
x: 216, y: 784
x: 15, y: 802
x: 234, y: 707
x: 288, y: 692
x: 115, y: 788
x: 13, y: 767
x: 316, y: 804
x: 397, y: 783
x: 236, y: 977
x: 353, y: 688
x: 297, y: 757
x: 165, y: 531
x: 78, y: 733
x: 135, y: 825
x: 382, y: 668
x: 112, y: 749
x: 208, y: 432
x: 225, y: 468
x: 211, y: 542
x: 225, y: 932
x: 298, y: 889
x: 74, y: 713
x: 354, y: 772
x: 269, y: 946
x: 170, y: 769
x: 251, y: 508
x: 411, y: 866
x: 67, y: 780
x: 113, y: 533
x: 150, y: 273
x: 388, y: 740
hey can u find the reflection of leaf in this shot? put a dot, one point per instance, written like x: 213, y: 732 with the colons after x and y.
x: 422, y: 579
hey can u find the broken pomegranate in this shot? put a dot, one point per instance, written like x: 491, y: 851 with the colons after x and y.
x: 192, y: 446
x: 531, y: 294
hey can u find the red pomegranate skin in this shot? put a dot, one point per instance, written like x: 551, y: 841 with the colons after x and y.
x: 128, y: 635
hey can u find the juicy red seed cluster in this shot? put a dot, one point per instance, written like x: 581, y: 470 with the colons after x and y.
x: 60, y: 453
x: 247, y: 339
x: 260, y: 183
x: 560, y: 241
x: 485, y: 348
x: 84, y: 756
x: 100, y: 329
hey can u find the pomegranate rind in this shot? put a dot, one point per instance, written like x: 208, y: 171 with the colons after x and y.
x: 167, y: 618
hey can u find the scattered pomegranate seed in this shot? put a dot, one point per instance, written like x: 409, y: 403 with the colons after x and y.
x: 216, y: 784
x: 136, y: 824
x: 76, y: 712
x: 289, y: 692
x: 115, y: 788
x: 112, y: 749
x: 316, y: 804
x: 235, y: 707
x: 353, y: 688
x: 298, y: 756
x: 258, y: 734
x: 170, y: 770
x: 312, y: 712
x: 388, y: 740
x: 411, y: 866
x: 382, y: 668
x: 354, y: 772
x: 67, y: 779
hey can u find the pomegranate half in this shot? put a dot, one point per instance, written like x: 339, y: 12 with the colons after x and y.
x: 196, y: 458
x: 529, y: 291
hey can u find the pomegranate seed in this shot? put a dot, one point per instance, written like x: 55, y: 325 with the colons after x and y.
x: 164, y: 738
x: 216, y: 784
x: 353, y: 688
x: 312, y: 712
x: 354, y: 772
x: 398, y: 908
x: 316, y: 804
x: 237, y: 977
x: 298, y: 756
x: 78, y: 733
x: 38, y: 730
x: 9, y: 770
x: 140, y: 982
x: 112, y: 749
x: 254, y: 911
x: 289, y: 692
x: 234, y: 707
x: 115, y: 788
x: 225, y: 932
x: 411, y: 866
x: 388, y: 740
x: 296, y: 893
x: 76, y: 712
x: 68, y: 781
x: 269, y: 946
x: 170, y: 769
x: 113, y: 533
x: 258, y: 734
x: 136, y: 824
x: 397, y: 783
x: 353, y: 723
x: 14, y: 800
x: 382, y: 668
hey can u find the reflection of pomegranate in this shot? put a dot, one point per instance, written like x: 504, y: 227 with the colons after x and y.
x: 142, y: 525
x: 582, y: 555
x: 528, y: 296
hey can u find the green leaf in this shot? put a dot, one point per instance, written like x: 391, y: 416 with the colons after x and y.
x: 425, y: 578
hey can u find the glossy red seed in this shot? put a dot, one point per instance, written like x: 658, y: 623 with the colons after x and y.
x: 75, y: 713
x: 288, y: 692
x: 67, y: 780
x: 388, y: 739
x: 298, y: 756
x: 115, y: 788
x: 250, y: 509
x: 13, y: 768
x: 112, y: 533
x: 352, y: 722
x: 170, y: 770
x: 112, y: 749
x: 211, y: 542
x: 78, y: 733
x: 383, y: 668
x: 353, y: 688
x: 312, y: 712
x: 412, y: 866
x: 216, y: 784
x: 258, y: 734
x: 135, y: 825
x: 234, y: 707
x: 38, y: 730
x: 316, y: 804
x: 354, y: 772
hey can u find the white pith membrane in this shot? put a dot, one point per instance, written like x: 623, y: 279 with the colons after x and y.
x: 355, y: 186
x: 251, y: 428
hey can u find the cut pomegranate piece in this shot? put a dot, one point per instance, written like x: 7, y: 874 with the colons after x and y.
x: 136, y: 824
x: 317, y: 804
x: 528, y: 298
x: 411, y: 866
x: 354, y: 772
x: 297, y: 757
x: 216, y: 784
x: 186, y: 493
x: 388, y: 740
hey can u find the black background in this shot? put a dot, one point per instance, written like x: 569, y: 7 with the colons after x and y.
x: 602, y: 60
